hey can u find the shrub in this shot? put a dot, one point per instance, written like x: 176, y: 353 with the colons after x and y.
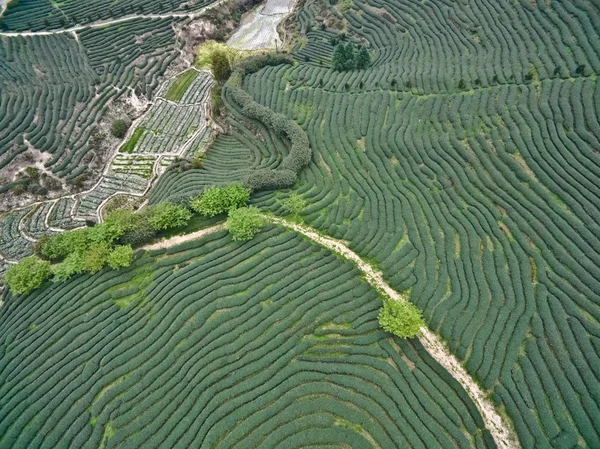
x: 294, y: 204
x: 60, y: 246
x: 363, y: 59
x: 142, y: 230
x: 401, y: 318
x: 120, y: 256
x: 244, y: 223
x: 217, y: 200
x: 216, y: 100
x: 220, y: 66
x: 167, y: 215
x: 95, y: 257
x: 27, y: 275
x: 73, y: 264
x: 106, y: 232
x: 118, y: 128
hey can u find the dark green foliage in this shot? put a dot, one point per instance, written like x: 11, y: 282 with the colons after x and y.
x: 363, y: 59
x: 300, y: 153
x: 220, y: 66
x: 118, y: 128
x: 216, y: 102
x: 344, y: 57
x: 29, y: 273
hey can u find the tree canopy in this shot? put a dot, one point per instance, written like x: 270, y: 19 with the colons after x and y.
x: 401, y: 318
x: 27, y: 275
x: 244, y: 223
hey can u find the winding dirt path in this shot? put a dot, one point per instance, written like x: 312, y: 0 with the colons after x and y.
x: 498, y: 425
x: 179, y: 239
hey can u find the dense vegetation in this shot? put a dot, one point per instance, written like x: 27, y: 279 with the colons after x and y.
x: 263, y: 344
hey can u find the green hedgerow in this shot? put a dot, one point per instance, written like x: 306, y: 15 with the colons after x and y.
x: 244, y: 223
x: 401, y: 318
x: 27, y: 275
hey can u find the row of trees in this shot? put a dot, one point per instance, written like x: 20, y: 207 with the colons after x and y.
x: 111, y: 243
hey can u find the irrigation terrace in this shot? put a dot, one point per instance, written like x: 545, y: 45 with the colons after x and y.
x: 386, y: 236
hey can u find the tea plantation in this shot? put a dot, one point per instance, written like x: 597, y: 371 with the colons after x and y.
x: 54, y: 89
x: 269, y: 343
x: 463, y: 162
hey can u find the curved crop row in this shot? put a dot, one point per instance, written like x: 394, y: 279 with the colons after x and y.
x: 270, y: 343
x: 481, y: 202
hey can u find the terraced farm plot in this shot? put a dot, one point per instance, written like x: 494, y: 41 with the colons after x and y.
x: 466, y: 166
x: 270, y: 343
x: 48, y: 14
x: 13, y: 245
x: 171, y: 125
x: 137, y: 165
x: 111, y: 184
x: 55, y: 88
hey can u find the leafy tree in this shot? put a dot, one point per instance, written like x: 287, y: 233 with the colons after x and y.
x: 106, y: 232
x: 141, y: 231
x: 60, y: 246
x: 244, y: 223
x: 167, y: 215
x: 118, y: 128
x: 27, y: 275
x: 294, y: 204
x: 73, y: 264
x: 121, y: 256
x: 220, y: 65
x: 363, y: 58
x: 95, y: 257
x: 344, y: 57
x: 401, y: 318
x: 217, y: 200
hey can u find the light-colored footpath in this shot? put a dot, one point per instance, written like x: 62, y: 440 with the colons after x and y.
x: 497, y: 424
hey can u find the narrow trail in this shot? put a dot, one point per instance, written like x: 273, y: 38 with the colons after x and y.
x: 102, y: 23
x: 499, y: 426
x: 179, y: 239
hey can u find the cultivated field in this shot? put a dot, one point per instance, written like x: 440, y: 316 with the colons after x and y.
x: 463, y: 163
x: 270, y: 343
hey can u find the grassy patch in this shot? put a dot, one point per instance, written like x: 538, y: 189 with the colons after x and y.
x: 181, y: 85
x: 129, y: 146
x: 207, y: 48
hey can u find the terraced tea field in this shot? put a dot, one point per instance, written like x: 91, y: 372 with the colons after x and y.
x: 463, y: 164
x: 270, y: 343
